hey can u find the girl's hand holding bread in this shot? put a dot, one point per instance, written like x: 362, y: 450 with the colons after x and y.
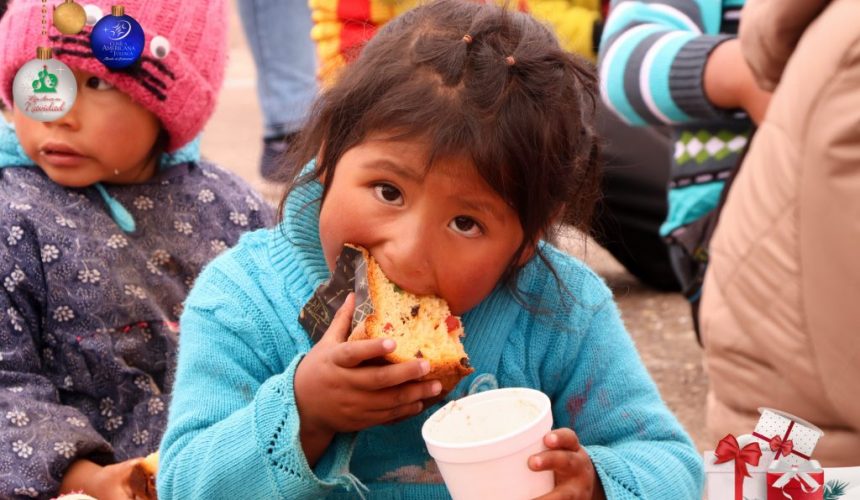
x: 339, y: 389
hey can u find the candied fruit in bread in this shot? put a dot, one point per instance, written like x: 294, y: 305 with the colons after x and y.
x: 422, y: 326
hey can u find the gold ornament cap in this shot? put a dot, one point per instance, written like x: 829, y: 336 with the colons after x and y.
x: 69, y: 18
x: 43, y: 53
x: 117, y: 10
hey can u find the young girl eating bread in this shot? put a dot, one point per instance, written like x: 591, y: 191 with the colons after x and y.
x: 450, y: 149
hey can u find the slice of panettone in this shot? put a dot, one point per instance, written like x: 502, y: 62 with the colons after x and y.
x: 422, y: 326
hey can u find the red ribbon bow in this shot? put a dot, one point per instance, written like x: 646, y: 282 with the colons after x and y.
x: 729, y: 449
x: 784, y: 447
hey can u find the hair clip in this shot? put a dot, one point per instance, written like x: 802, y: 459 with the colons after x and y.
x: 510, y: 61
x: 467, y: 38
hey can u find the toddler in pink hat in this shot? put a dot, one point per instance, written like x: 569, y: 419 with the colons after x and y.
x: 107, y: 215
x: 179, y: 73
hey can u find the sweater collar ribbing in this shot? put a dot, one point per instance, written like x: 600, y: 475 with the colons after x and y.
x: 295, y: 240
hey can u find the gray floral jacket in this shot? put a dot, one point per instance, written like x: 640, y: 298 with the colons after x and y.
x: 88, y: 312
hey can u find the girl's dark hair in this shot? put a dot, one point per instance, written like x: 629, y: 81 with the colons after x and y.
x: 478, y: 81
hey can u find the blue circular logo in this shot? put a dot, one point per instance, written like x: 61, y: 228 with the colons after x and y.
x: 120, y: 30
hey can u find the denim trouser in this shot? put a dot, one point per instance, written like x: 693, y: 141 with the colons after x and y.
x: 279, y: 34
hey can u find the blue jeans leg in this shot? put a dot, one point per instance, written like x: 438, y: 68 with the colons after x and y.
x: 278, y: 32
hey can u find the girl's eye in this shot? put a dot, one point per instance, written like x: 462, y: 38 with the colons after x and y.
x: 466, y: 226
x: 97, y: 83
x: 388, y: 194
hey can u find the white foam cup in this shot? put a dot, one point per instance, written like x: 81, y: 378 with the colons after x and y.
x: 482, y: 444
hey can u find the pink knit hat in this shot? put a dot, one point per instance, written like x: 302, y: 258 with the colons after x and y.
x: 177, y: 78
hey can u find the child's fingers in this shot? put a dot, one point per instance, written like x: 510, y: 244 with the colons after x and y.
x: 562, y: 461
x: 354, y: 353
x: 398, y: 413
x: 562, y: 439
x: 404, y: 394
x: 375, y: 378
x: 339, y: 329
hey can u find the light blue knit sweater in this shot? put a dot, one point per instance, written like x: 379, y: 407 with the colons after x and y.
x: 233, y: 424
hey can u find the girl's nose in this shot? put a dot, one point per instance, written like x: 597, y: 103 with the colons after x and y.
x: 407, y: 259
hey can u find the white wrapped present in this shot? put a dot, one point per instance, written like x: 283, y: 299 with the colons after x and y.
x: 786, y: 435
x: 741, y: 473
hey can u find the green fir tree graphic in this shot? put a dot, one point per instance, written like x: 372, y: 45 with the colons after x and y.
x: 835, y: 489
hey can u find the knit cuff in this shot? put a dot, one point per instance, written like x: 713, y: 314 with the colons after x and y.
x: 277, y: 432
x: 629, y: 472
x: 686, y: 75
x: 613, y: 473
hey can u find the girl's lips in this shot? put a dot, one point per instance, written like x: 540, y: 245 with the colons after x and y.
x: 61, y: 155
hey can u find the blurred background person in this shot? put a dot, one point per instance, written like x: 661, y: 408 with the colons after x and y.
x: 679, y: 63
x: 278, y: 32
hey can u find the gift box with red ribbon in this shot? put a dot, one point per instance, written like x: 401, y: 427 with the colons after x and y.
x: 795, y: 482
x: 737, y: 469
x: 789, y: 437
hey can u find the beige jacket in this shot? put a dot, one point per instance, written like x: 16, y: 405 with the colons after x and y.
x: 781, y: 302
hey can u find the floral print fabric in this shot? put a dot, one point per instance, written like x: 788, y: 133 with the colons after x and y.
x: 89, y: 314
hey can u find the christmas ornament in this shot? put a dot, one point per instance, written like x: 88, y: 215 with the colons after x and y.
x: 69, y: 17
x: 44, y: 88
x: 117, y: 40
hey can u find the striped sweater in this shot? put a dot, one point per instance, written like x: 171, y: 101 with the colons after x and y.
x: 652, y: 58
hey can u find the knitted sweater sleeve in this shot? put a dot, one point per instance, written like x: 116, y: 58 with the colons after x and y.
x: 233, y: 423
x: 39, y: 436
x: 652, y: 59
x: 638, y: 447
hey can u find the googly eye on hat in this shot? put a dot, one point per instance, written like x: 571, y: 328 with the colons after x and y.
x: 159, y: 46
x: 94, y: 14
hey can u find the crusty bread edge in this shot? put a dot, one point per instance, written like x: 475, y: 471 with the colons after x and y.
x: 449, y: 374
